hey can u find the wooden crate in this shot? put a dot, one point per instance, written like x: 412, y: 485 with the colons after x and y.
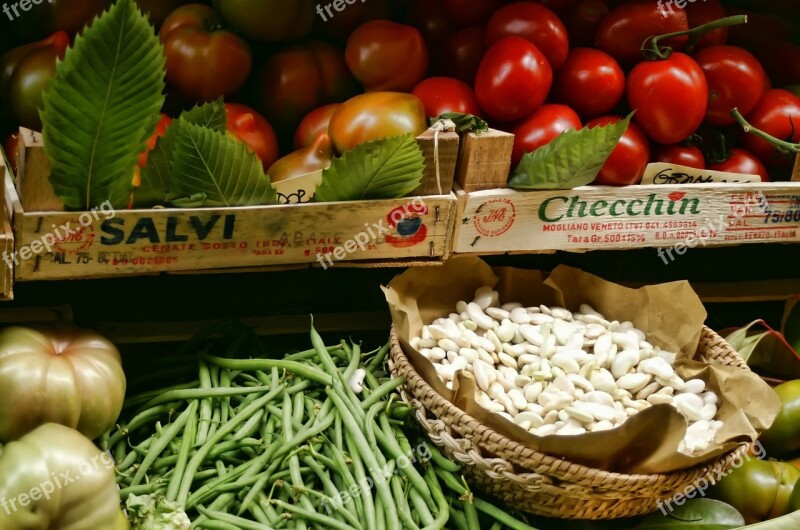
x: 606, y: 218
x: 65, y: 245
x: 6, y: 245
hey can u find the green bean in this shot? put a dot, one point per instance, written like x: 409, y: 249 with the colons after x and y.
x: 361, y: 483
x: 393, y: 448
x: 328, y: 522
x: 441, y: 461
x: 497, y: 526
x: 238, y: 523
x: 401, y: 501
x: 482, y: 506
x: 382, y: 391
x: 183, y: 455
x: 215, y: 525
x: 460, y: 520
x: 147, y: 396
x: 250, y: 427
x: 471, y: 515
x: 202, y: 452
x: 262, y: 364
x: 158, y: 447
x: 204, y: 393
x: 206, y: 404
x: 142, y: 489
x: 421, y: 507
x: 377, y: 361
x: 441, y: 501
x: 365, y: 452
x: 332, y: 492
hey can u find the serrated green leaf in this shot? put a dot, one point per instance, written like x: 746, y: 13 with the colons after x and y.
x: 211, y: 115
x: 155, y: 187
x: 383, y: 169
x: 572, y: 159
x: 102, y: 106
x: 219, y: 166
x: 695, y: 514
x: 465, y: 123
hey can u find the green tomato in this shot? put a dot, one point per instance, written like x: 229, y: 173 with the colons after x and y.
x: 752, y: 489
x: 783, y: 436
x: 25, y: 73
x: 269, y: 20
x: 67, y: 376
x: 54, y: 478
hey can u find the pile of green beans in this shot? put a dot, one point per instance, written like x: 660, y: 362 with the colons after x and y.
x: 271, y: 444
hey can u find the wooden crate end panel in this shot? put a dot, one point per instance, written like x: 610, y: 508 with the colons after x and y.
x: 485, y: 160
x: 633, y: 217
x: 446, y: 156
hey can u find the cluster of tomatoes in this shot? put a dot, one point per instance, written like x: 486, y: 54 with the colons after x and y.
x: 533, y: 68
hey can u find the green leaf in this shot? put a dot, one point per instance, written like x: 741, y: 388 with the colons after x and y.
x: 102, y: 106
x: 155, y: 188
x: 382, y: 169
x: 211, y: 115
x: 766, y: 352
x: 695, y: 514
x: 465, y: 123
x: 219, y: 166
x: 787, y: 522
x: 572, y: 159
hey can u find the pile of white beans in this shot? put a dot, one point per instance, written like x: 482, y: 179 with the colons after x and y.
x: 552, y: 371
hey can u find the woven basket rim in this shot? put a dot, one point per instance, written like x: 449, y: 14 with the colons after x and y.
x: 555, y: 462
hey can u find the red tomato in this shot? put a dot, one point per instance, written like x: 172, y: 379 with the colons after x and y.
x: 670, y: 97
x: 583, y: 20
x: 735, y: 80
x: 299, y: 79
x: 742, y: 162
x: 777, y: 114
x: 161, y: 128
x: 387, y: 56
x: 700, y: 13
x: 541, y: 128
x: 431, y: 19
x: 203, y: 64
x: 465, y: 13
x: 627, y: 162
x: 591, y: 82
x: 376, y: 115
x: 559, y: 6
x: 315, y: 123
x: 625, y: 29
x: 463, y: 53
x: 689, y: 155
x: 513, y: 79
x: 11, y: 148
x: 445, y: 94
x: 532, y: 22
x: 250, y: 127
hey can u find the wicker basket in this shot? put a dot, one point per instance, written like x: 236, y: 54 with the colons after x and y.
x: 545, y: 485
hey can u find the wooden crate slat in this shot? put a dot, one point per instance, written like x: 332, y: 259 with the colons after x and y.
x: 605, y: 218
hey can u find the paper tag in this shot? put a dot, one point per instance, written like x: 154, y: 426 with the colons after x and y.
x: 298, y: 190
x: 660, y: 173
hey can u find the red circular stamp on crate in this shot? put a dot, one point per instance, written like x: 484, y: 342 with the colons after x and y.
x: 495, y: 217
x: 74, y: 236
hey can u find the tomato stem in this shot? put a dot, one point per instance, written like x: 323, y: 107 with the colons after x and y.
x: 653, y: 52
x: 781, y: 145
